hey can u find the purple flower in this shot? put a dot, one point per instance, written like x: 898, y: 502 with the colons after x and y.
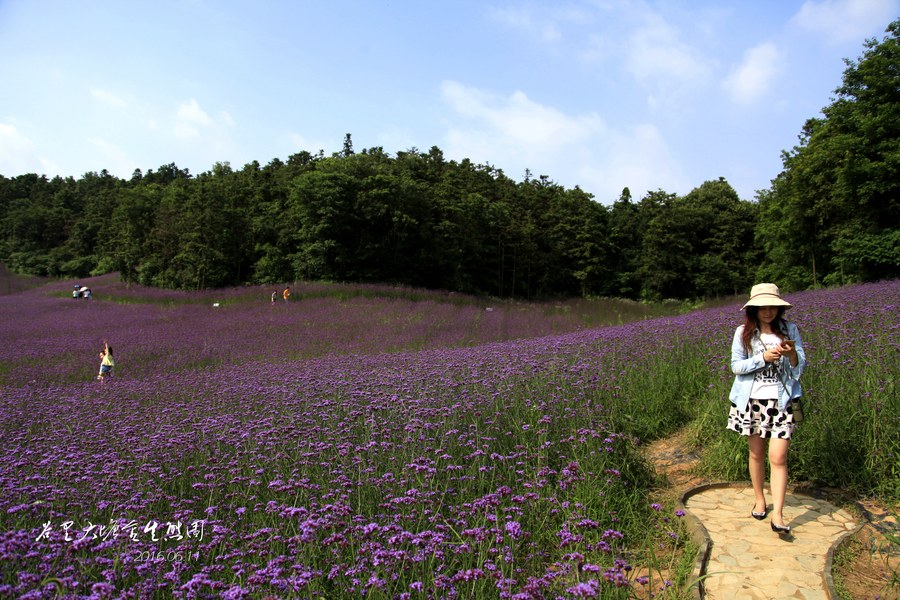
x: 588, y: 589
x: 514, y: 529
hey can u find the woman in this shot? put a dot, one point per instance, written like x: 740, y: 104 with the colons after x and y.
x: 767, y: 359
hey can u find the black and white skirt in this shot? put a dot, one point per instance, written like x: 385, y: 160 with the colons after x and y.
x: 763, y: 418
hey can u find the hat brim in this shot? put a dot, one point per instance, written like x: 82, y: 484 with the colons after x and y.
x: 767, y: 300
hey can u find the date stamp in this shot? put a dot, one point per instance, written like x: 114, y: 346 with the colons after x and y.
x: 173, y: 556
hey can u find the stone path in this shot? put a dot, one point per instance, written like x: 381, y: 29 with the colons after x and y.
x: 744, y: 559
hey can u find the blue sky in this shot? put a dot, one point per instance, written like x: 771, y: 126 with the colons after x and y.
x: 603, y: 94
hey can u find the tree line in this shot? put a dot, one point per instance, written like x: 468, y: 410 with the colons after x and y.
x: 415, y: 218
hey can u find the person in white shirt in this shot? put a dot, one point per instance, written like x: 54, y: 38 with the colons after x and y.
x: 767, y: 359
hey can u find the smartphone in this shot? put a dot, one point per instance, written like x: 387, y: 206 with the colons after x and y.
x: 790, y: 343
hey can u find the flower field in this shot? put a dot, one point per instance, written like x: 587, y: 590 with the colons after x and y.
x: 370, y: 442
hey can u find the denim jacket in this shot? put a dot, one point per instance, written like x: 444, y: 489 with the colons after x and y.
x: 745, y: 365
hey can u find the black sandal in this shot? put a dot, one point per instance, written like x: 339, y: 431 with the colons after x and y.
x: 780, y: 529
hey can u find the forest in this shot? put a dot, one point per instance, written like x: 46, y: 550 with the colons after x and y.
x: 830, y: 217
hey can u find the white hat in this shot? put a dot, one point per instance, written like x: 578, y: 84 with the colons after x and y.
x: 765, y: 294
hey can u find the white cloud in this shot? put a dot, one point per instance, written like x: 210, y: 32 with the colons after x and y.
x: 185, y: 131
x: 846, y: 20
x: 639, y: 159
x: 601, y: 47
x: 298, y: 143
x: 107, y: 98
x: 18, y: 154
x: 114, y: 159
x: 225, y: 118
x: 516, y: 18
x: 515, y: 133
x: 397, y: 138
x: 200, y: 137
x: 193, y: 123
x: 189, y: 119
x: 191, y: 112
x: 753, y: 78
x: 659, y: 60
x: 518, y: 120
x: 542, y: 27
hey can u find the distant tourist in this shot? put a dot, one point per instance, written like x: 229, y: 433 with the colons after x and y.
x: 76, y: 293
x: 767, y: 359
x: 107, y: 362
x: 286, y: 293
x: 274, y: 296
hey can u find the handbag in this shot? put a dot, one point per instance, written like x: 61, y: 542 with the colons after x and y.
x: 797, y: 409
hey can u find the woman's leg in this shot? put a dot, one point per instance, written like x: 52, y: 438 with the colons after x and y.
x: 778, y: 465
x: 758, y: 471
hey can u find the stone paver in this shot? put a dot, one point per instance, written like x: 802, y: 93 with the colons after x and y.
x: 747, y: 560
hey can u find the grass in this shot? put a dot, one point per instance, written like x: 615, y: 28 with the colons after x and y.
x: 875, y: 555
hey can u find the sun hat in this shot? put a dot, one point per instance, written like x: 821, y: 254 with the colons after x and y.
x: 765, y: 294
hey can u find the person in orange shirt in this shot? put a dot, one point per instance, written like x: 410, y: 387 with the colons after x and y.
x: 286, y: 294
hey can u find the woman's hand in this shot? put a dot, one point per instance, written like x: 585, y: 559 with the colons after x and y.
x: 772, y: 355
x: 788, y: 348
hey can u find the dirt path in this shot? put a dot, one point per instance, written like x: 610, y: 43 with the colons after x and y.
x: 866, y: 566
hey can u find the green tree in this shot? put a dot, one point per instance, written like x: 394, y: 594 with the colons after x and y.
x: 700, y: 245
x: 322, y: 203
x: 131, y: 223
x: 568, y: 235
x: 36, y: 220
x: 275, y: 219
x: 627, y: 224
x: 723, y: 239
x: 832, y: 214
x: 666, y: 248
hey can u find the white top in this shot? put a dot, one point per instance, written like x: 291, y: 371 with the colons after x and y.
x: 766, y: 383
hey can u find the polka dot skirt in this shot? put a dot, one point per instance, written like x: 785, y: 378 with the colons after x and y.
x: 763, y: 418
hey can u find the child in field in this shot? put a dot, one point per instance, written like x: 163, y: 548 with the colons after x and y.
x: 107, y: 362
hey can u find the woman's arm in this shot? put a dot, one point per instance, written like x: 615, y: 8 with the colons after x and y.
x: 796, y: 355
x: 742, y: 362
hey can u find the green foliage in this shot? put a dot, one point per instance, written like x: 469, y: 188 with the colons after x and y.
x: 832, y: 214
x: 699, y: 246
x: 866, y: 257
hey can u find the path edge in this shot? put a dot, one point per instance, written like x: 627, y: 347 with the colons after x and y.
x: 700, y: 536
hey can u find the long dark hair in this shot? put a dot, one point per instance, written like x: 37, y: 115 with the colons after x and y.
x: 751, y: 324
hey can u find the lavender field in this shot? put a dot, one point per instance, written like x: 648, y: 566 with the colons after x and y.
x: 383, y: 443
